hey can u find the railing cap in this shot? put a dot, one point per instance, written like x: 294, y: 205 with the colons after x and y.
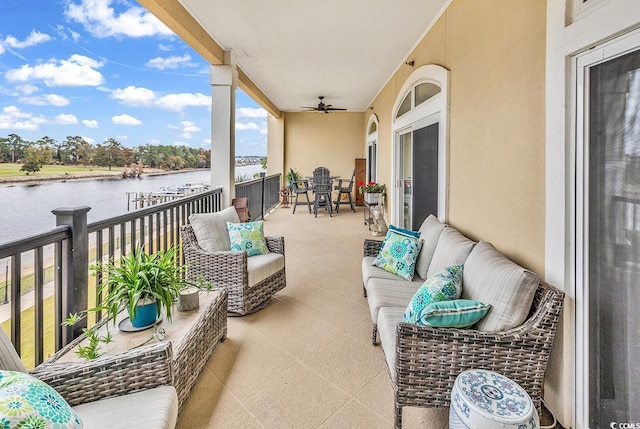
x: 70, y: 210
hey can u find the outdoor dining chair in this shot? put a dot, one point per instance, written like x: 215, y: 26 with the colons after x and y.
x: 322, y: 190
x: 345, y: 189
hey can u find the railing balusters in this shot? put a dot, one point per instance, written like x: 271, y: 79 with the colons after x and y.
x: 157, y: 227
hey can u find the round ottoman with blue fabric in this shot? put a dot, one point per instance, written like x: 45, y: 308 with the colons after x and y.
x: 482, y: 399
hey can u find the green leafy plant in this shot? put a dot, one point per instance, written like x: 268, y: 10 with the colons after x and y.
x: 92, y: 350
x: 142, y: 276
x: 292, y: 176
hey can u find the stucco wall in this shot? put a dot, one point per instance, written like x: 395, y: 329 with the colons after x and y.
x: 332, y: 140
x: 495, y: 52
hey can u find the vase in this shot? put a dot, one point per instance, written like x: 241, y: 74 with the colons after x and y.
x: 146, y: 314
x: 372, y: 197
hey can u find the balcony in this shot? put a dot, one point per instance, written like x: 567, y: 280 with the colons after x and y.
x: 306, y: 360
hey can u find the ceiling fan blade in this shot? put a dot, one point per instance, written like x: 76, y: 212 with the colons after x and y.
x: 334, y: 108
x: 309, y: 107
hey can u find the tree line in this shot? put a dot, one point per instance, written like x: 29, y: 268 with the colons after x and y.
x: 74, y: 150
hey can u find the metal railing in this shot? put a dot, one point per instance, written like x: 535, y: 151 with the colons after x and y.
x: 263, y: 194
x: 50, y: 272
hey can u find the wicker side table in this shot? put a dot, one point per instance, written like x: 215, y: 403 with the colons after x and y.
x: 193, y: 335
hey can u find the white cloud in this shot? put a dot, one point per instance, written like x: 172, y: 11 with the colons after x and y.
x: 90, y: 123
x: 27, y: 89
x: 33, y: 39
x: 250, y: 112
x: 165, y: 48
x: 89, y: 140
x: 134, y: 96
x: 12, y: 118
x: 125, y: 119
x: 172, y: 63
x: 190, y: 127
x: 247, y: 126
x: 65, y: 119
x: 179, y: 101
x: 153, y: 142
x: 45, y: 100
x: 101, y: 20
x: 78, y: 70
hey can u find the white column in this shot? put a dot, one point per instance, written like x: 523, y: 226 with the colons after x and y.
x: 224, y: 79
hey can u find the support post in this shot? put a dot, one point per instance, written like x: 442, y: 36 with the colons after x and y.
x: 74, y: 264
x: 224, y: 80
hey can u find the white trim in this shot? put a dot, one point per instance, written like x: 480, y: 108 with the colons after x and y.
x: 370, y: 140
x: 564, y: 41
x: 435, y: 109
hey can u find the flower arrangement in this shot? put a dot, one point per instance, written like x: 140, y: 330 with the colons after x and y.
x: 372, y: 188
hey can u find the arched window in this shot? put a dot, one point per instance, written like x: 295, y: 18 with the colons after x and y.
x: 420, y: 117
x: 372, y: 149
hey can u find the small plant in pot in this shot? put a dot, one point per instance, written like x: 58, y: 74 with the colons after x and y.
x: 144, y: 283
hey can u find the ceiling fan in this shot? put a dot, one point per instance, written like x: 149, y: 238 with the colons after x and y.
x: 321, y: 107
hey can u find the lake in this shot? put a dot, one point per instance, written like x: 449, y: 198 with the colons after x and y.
x: 25, y: 209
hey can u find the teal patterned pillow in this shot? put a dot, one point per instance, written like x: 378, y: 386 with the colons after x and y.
x: 459, y: 313
x: 444, y: 286
x: 248, y: 237
x: 399, y: 254
x: 26, y: 402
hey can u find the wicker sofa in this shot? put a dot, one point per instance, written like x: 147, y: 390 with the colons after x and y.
x: 250, y: 281
x: 424, y: 361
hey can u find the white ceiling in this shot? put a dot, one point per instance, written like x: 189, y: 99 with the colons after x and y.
x: 296, y: 50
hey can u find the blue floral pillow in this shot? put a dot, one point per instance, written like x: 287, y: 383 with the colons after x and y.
x: 399, y: 253
x: 26, y: 402
x: 444, y: 286
x: 249, y: 237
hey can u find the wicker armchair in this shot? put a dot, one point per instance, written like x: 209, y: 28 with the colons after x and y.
x: 428, y: 359
x: 100, y: 390
x: 230, y: 270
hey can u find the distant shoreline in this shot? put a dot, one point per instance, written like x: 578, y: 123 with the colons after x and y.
x: 114, y: 174
x: 86, y: 175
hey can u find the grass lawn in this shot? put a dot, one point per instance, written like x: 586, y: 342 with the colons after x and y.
x: 9, y: 170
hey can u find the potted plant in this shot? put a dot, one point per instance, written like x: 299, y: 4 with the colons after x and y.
x: 144, y: 283
x: 372, y: 191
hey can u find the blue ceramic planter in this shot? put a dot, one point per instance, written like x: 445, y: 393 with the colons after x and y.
x: 146, y: 315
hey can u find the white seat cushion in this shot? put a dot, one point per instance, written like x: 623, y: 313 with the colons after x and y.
x: 211, y: 230
x: 491, y: 278
x: 388, y: 319
x: 390, y: 293
x: 153, y: 408
x: 260, y: 267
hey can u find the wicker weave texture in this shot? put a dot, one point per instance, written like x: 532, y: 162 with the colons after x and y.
x: 138, y: 369
x: 228, y: 270
x: 371, y: 247
x: 428, y: 359
x: 193, y: 351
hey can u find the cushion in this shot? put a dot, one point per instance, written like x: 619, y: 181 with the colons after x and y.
x: 444, y: 286
x: 399, y: 254
x: 369, y: 271
x: 404, y: 231
x: 211, y: 231
x: 151, y: 408
x: 390, y: 293
x: 453, y: 248
x: 491, y: 278
x: 260, y: 267
x: 9, y: 359
x: 388, y: 319
x: 26, y: 402
x: 248, y: 237
x: 457, y: 313
x: 430, y: 231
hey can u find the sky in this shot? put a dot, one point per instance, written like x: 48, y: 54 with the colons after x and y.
x: 104, y: 69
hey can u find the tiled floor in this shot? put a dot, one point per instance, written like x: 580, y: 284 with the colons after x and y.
x: 306, y: 360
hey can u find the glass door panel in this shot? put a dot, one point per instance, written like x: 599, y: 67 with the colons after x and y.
x: 612, y: 214
x: 406, y: 189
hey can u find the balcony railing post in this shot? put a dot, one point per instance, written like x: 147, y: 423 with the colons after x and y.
x: 75, y: 259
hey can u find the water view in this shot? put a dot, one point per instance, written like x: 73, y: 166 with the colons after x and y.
x: 25, y: 209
